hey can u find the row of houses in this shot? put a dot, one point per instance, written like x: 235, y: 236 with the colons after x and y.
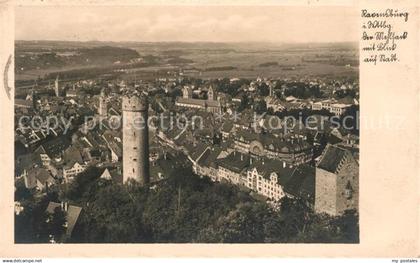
x: 329, y: 187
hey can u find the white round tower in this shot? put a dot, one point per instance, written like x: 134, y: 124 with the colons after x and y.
x: 135, y: 139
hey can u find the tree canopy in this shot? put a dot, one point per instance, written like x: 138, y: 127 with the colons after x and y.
x: 182, y: 208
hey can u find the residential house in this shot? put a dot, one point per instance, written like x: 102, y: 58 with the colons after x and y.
x: 72, y: 215
x: 267, y: 177
x: 38, y: 178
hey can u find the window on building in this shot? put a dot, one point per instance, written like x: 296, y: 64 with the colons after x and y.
x: 348, y: 191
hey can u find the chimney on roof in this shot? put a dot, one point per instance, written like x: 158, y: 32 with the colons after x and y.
x: 250, y: 161
x: 242, y: 157
x: 284, y: 164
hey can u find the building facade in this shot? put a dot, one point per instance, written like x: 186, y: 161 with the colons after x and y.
x: 267, y: 177
x: 69, y: 172
x: 293, y: 150
x: 335, y: 108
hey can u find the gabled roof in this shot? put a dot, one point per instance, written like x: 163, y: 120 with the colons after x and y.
x: 55, y: 146
x: 37, y: 174
x: 106, y: 175
x: 227, y: 126
x: 113, y: 145
x: 52, y: 206
x: 23, y: 103
x: 266, y: 167
x: 41, y: 174
x: 112, y: 173
x: 72, y: 155
x: 288, y: 144
x: 73, y: 214
x: 198, y: 102
x: 302, y: 182
x: 209, y: 157
x: 25, y: 162
x: 30, y: 181
x: 235, y: 162
x: 332, y: 157
x: 198, y: 150
x: 346, y: 100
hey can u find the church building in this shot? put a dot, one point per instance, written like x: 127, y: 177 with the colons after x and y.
x: 209, y: 105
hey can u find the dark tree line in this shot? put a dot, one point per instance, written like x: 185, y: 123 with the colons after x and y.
x: 183, y: 208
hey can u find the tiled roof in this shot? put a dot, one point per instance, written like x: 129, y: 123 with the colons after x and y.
x: 198, y: 150
x: 23, y: 103
x: 331, y: 158
x: 198, y: 102
x: 73, y: 214
x: 227, y: 126
x: 235, y: 162
x: 40, y: 174
x: 25, y: 161
x: 302, y: 182
x: 267, y: 166
x: 209, y: 158
x: 55, y: 146
x: 72, y: 155
x: 113, y: 144
x: 52, y: 206
x: 270, y: 142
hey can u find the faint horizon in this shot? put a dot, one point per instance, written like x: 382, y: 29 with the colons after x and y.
x: 186, y: 42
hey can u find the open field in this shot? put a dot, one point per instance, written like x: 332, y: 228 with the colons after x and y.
x: 208, y: 60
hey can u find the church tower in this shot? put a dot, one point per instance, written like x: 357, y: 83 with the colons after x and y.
x: 187, y: 92
x: 56, y: 88
x: 102, y: 108
x: 211, y: 94
x: 135, y: 138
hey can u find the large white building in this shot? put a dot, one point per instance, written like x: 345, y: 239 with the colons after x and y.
x: 267, y: 177
x: 335, y: 108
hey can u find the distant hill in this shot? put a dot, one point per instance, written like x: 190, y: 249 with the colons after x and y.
x: 32, y: 56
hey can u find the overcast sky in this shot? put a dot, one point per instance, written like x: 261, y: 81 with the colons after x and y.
x: 186, y: 23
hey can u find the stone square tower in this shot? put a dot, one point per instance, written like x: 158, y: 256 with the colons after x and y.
x: 336, y: 181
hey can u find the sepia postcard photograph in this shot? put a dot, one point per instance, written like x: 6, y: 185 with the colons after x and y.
x: 208, y: 124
